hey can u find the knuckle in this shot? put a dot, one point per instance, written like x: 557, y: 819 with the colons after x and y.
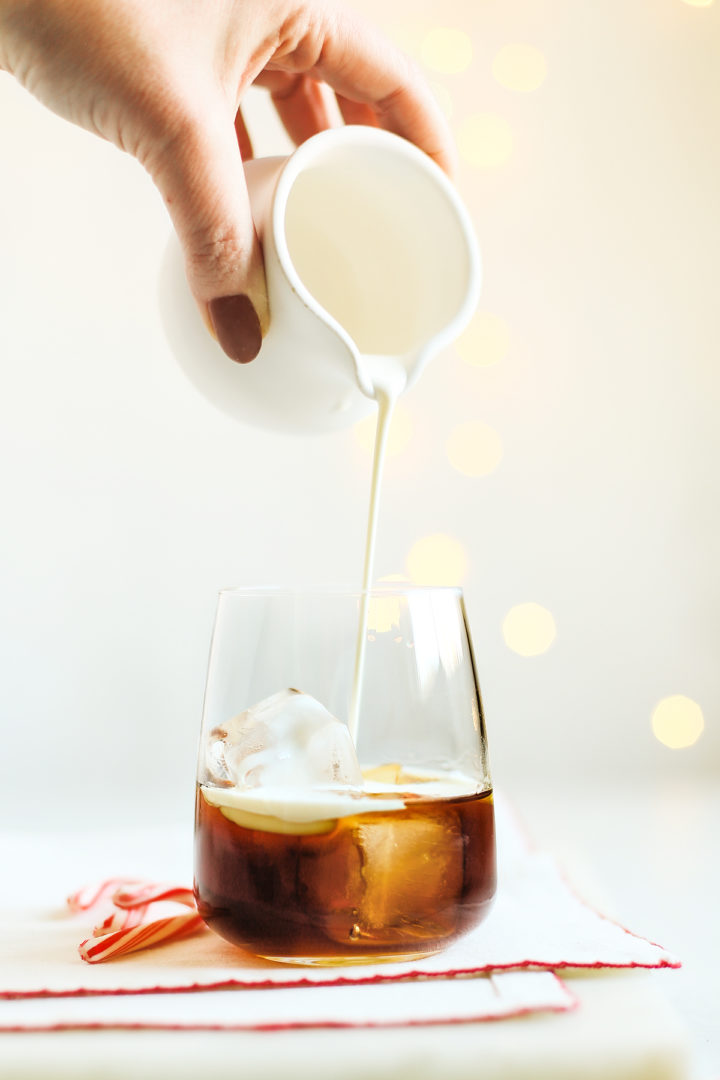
x: 301, y: 39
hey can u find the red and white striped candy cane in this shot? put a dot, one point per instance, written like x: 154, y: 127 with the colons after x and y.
x: 91, y: 895
x: 95, y: 950
x: 121, y: 920
x: 139, y: 894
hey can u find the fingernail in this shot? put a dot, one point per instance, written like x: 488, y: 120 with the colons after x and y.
x: 237, y: 327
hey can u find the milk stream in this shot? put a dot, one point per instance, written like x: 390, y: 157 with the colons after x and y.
x: 388, y: 377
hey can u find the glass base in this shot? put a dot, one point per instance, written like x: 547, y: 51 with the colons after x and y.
x: 344, y: 961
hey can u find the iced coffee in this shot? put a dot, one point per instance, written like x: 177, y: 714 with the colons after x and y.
x: 304, y: 855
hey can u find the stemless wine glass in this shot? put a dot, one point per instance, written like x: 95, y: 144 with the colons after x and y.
x: 305, y: 853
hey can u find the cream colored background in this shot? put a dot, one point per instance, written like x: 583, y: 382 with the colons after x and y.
x: 127, y: 501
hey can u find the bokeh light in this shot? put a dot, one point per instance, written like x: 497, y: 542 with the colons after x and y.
x: 446, y: 49
x: 401, y: 430
x: 437, y: 559
x: 529, y: 629
x: 698, y: 3
x: 677, y: 721
x: 520, y: 67
x: 384, y: 611
x: 485, y: 341
x: 484, y: 140
x: 474, y: 448
x: 383, y: 614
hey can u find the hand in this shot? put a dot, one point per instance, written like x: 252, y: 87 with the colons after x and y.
x: 164, y: 81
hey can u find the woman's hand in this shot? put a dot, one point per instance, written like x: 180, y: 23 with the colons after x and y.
x: 163, y: 80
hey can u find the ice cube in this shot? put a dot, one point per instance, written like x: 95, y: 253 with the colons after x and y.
x: 412, y: 870
x: 215, y: 768
x: 287, y: 740
x: 389, y: 877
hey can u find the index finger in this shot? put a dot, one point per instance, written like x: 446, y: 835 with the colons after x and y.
x: 363, y: 66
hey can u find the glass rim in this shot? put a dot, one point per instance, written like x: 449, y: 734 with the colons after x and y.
x: 382, y: 588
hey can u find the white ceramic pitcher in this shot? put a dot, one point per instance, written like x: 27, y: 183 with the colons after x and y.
x: 370, y: 259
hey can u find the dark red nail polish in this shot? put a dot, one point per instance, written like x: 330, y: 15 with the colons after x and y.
x: 237, y: 327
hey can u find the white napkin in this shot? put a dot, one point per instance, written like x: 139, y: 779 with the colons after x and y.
x: 490, y: 997
x: 537, y: 922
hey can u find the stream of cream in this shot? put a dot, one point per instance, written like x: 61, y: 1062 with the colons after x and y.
x: 388, y: 377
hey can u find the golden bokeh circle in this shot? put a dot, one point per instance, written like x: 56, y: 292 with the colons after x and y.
x: 447, y: 50
x: 437, y: 559
x: 529, y: 629
x: 677, y: 721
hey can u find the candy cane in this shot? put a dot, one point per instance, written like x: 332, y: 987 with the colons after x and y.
x: 94, y: 950
x: 121, y: 920
x: 91, y: 895
x: 149, y: 893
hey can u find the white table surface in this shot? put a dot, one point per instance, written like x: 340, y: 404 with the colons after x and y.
x: 649, y: 861
x: 650, y: 856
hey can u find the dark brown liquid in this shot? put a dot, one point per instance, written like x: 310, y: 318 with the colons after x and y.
x: 391, y: 883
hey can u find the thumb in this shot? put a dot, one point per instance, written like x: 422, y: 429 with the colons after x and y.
x: 202, y: 181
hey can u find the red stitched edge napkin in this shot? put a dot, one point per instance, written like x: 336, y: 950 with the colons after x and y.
x: 488, y: 997
x: 537, y: 922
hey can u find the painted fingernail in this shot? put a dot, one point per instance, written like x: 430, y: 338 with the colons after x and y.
x: 237, y: 327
